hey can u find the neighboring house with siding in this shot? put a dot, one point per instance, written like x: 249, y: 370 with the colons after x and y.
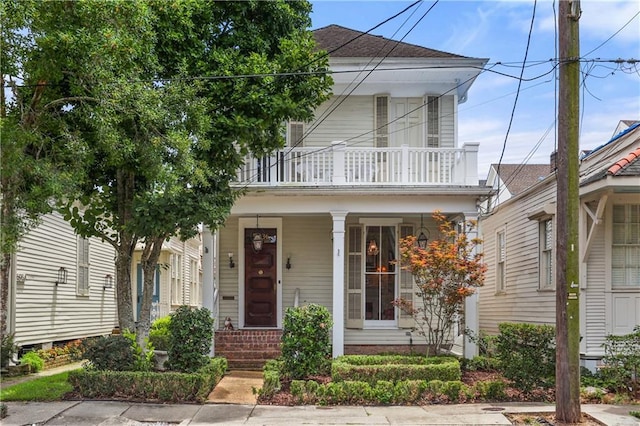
x: 62, y: 286
x: 380, y: 156
x: 520, y: 248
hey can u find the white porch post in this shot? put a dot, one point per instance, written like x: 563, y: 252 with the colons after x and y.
x: 338, y: 282
x: 471, y: 317
x: 208, y: 281
x: 471, y: 163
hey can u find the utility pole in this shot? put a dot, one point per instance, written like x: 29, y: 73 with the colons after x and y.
x: 567, y: 259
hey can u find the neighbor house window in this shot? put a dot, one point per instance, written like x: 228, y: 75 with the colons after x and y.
x: 194, y: 275
x: 625, y: 250
x: 501, y: 257
x: 547, y: 281
x: 295, y: 134
x: 381, y: 124
x: 176, y: 279
x: 82, y: 286
x: 433, y: 121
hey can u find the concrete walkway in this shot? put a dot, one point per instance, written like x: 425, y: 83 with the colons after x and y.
x: 233, y: 403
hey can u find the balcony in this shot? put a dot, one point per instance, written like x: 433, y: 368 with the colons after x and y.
x: 339, y: 165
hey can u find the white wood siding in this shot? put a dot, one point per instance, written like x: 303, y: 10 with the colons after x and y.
x: 48, y: 313
x: 228, y: 297
x: 352, y: 119
x: 595, y: 295
x: 521, y: 301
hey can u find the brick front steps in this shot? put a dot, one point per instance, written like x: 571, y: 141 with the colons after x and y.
x: 247, y: 349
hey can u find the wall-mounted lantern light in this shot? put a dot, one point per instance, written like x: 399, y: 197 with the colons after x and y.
x: 232, y: 264
x: 62, y: 276
x: 423, y: 239
x: 108, y: 282
x: 288, y: 264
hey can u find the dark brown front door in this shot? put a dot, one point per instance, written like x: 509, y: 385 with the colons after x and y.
x: 261, y: 273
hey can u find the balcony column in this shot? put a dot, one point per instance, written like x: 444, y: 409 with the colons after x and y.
x: 471, y: 315
x: 208, y: 278
x: 338, y: 282
x: 338, y: 148
x: 471, y: 163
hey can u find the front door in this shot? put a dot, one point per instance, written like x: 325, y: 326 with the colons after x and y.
x: 260, y: 283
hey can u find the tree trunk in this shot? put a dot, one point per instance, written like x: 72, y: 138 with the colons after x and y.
x: 5, y: 269
x: 149, y: 261
x: 124, y: 250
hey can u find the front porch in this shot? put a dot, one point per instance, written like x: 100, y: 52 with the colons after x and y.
x: 340, y: 164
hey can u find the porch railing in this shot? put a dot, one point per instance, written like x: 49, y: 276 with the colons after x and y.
x: 341, y: 165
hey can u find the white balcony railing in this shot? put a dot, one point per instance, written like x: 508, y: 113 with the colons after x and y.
x: 341, y: 165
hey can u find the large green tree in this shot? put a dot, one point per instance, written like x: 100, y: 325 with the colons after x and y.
x: 38, y: 152
x: 168, y: 98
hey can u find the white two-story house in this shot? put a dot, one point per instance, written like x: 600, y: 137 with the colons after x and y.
x: 322, y: 218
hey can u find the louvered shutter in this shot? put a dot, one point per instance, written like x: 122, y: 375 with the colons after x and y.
x: 407, y: 284
x: 355, y: 317
x: 381, y: 125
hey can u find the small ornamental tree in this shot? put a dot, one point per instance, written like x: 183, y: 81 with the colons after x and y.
x: 446, y: 272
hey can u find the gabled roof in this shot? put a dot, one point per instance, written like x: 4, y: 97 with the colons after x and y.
x: 519, y: 177
x: 356, y: 44
x: 627, y: 165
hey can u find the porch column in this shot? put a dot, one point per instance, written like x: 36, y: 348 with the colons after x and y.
x: 338, y: 177
x: 471, y: 317
x: 338, y: 282
x: 208, y: 281
x: 470, y: 163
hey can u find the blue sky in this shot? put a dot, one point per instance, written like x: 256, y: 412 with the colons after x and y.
x: 498, y: 30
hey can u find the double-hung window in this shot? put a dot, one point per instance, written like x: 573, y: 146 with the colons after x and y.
x: 501, y: 258
x: 547, y: 254
x: 625, y: 246
x: 176, y: 279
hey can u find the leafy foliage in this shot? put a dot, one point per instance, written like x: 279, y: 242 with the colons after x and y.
x: 306, y: 348
x: 114, y: 353
x: 159, y: 334
x: 431, y: 369
x: 527, y: 354
x: 446, y: 272
x: 622, y: 361
x: 8, y: 349
x: 143, y: 360
x: 33, y: 360
x: 191, y: 333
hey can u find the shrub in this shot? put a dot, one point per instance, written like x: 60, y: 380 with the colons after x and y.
x: 8, y: 349
x: 150, y: 386
x: 622, y: 361
x: 142, y: 361
x: 527, y: 354
x: 372, y: 369
x: 481, y: 363
x: 191, y: 333
x: 159, y: 333
x: 492, y: 390
x: 113, y: 353
x: 306, y: 348
x: 452, y: 389
x: 33, y: 360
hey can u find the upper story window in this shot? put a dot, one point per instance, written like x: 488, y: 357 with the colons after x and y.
x: 381, y: 124
x: 295, y: 134
x: 625, y: 246
x: 433, y: 121
x: 82, y: 286
x: 501, y: 258
x: 547, y: 254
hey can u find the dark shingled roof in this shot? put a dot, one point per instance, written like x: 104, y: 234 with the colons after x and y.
x: 519, y: 177
x: 360, y: 45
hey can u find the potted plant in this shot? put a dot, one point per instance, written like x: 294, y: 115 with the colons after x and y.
x: 159, y: 339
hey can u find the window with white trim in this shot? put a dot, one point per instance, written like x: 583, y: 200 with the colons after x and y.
x: 380, y: 278
x: 625, y: 246
x: 194, y: 275
x: 176, y: 279
x: 381, y: 121
x: 82, y: 285
x: 295, y: 134
x: 501, y: 257
x: 547, y: 254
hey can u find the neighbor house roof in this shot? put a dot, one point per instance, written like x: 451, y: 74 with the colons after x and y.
x: 627, y: 166
x: 519, y: 177
x: 344, y: 42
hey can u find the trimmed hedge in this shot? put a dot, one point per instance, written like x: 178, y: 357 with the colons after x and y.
x: 150, y: 386
x: 375, y: 368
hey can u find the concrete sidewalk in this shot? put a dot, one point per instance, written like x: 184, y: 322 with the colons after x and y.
x: 112, y: 413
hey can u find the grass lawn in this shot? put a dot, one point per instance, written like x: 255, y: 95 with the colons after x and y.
x: 46, y: 388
